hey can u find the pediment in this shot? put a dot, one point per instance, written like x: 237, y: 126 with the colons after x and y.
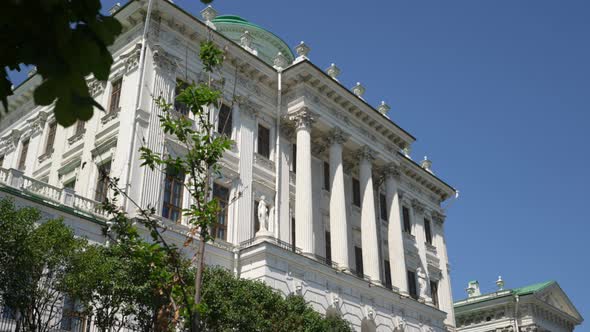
x: 556, y: 298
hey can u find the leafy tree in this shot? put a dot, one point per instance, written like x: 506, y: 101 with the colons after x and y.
x: 33, y: 262
x: 67, y: 41
x: 233, y: 304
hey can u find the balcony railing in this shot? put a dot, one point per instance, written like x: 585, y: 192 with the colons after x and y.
x: 59, y: 196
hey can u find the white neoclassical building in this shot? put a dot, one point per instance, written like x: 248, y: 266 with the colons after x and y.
x: 348, y: 219
x: 540, y: 307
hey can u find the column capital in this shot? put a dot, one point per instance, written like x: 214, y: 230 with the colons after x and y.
x: 391, y: 170
x: 366, y: 153
x: 303, y: 118
x: 438, y: 217
x: 337, y: 136
x: 418, y: 206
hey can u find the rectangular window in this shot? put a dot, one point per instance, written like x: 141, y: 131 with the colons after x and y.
x: 427, y: 231
x: 102, y: 185
x: 256, y: 220
x: 326, y: 176
x: 69, y: 316
x: 173, y: 190
x: 225, y: 121
x: 1, y: 161
x: 383, y: 206
x: 22, y: 160
x: 412, y: 285
x: 387, y: 271
x: 356, y: 192
x: 263, y: 141
x: 358, y: 258
x: 434, y: 292
x: 115, y: 95
x: 328, y: 248
x: 50, y: 138
x: 220, y: 228
x: 294, y: 157
x: 406, y: 219
x: 71, y: 184
x: 179, y: 106
x: 293, y: 246
x: 79, y: 128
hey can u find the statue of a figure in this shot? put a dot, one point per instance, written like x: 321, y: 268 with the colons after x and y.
x: 263, y: 214
x: 423, y: 284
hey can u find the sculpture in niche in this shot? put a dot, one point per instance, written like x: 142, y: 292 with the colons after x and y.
x: 263, y: 217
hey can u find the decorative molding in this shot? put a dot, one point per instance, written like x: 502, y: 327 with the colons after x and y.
x: 438, y: 217
x: 165, y: 61
x: 366, y: 153
x: 303, y: 118
x: 37, y: 124
x: 337, y: 136
x: 131, y: 58
x: 418, y: 206
x: 111, y: 115
x: 333, y: 71
x: 391, y: 170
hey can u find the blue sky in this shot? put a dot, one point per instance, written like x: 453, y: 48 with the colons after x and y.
x: 497, y: 94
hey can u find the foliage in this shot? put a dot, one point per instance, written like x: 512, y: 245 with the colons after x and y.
x: 33, y: 260
x: 232, y: 304
x: 67, y: 41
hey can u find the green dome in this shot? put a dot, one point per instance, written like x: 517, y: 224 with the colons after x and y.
x: 265, y: 42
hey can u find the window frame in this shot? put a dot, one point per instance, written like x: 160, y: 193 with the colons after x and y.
x: 387, y: 272
x: 383, y: 206
x: 180, y: 107
x: 356, y: 192
x: 434, y: 292
x: 223, y: 202
x: 358, y: 261
x: 225, y: 128
x: 326, y: 170
x: 406, y: 220
x: 22, y: 159
x: 428, y: 231
x: 412, y: 284
x: 266, y: 150
x: 50, y: 141
x: 115, y: 95
x: 173, y: 181
x: 328, y: 246
x: 101, y: 191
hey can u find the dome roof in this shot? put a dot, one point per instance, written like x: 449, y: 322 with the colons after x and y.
x: 266, y: 43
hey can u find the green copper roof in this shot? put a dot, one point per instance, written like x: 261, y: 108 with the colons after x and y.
x: 530, y: 289
x: 267, y: 43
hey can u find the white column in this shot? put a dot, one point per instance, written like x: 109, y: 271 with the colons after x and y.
x: 284, y: 222
x: 397, y: 257
x: 369, y: 238
x: 445, y: 296
x: 338, y: 223
x: 244, y: 221
x: 303, y: 184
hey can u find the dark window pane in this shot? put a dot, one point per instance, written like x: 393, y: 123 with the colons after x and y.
x: 256, y: 221
x: 102, y: 185
x: 79, y: 128
x: 407, y: 222
x: 173, y: 190
x: 221, y: 194
x: 293, y: 234
x: 427, y: 231
x: 387, y: 268
x: 412, y: 285
x: 358, y: 257
x: 115, y: 95
x: 263, y: 141
x: 434, y: 292
x: 326, y: 176
x: 22, y: 160
x: 383, y: 206
x: 356, y: 192
x: 328, y: 248
x: 225, y: 124
x: 50, y: 137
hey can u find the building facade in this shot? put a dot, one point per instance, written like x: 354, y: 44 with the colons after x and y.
x: 320, y: 194
x: 542, y: 307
